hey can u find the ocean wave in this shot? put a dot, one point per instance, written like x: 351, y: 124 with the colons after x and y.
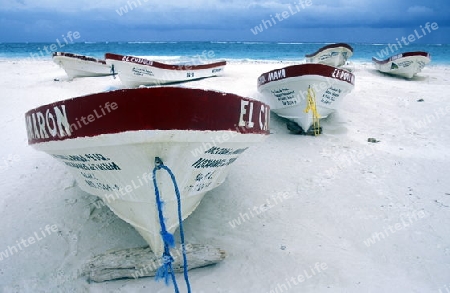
x: 225, y: 42
x: 234, y: 51
x: 255, y: 43
x: 291, y: 43
x: 153, y: 42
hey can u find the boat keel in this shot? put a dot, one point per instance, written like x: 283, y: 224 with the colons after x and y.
x: 297, y: 129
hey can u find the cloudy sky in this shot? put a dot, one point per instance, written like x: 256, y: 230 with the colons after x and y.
x: 372, y: 21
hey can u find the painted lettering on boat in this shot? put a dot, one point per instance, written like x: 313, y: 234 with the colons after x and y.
x: 261, y: 79
x: 82, y: 158
x: 208, y: 176
x: 246, y: 116
x: 141, y: 71
x: 137, y: 60
x: 76, y: 158
x: 52, y: 123
x: 285, y: 96
x: 111, y: 166
x: 89, y: 176
x: 205, y: 173
x: 101, y: 186
x: 273, y: 75
x: 224, y: 151
x: 330, y: 95
x: 97, y: 157
x: 395, y: 57
x: 87, y: 165
x: 213, y: 163
x: 84, y: 162
x: 276, y: 74
x: 220, y: 162
x: 343, y: 75
x: 203, y: 180
x: 405, y: 63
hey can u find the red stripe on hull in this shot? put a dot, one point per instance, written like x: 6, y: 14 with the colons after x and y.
x: 162, y: 108
x: 143, y: 61
x: 406, y: 54
x: 76, y: 56
x: 306, y: 69
x: 337, y: 45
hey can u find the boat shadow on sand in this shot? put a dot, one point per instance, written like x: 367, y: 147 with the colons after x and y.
x: 332, y: 124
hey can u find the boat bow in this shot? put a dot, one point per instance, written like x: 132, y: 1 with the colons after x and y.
x: 109, y: 142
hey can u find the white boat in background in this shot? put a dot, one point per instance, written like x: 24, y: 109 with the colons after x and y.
x: 333, y: 55
x: 81, y: 66
x: 112, y: 141
x: 136, y: 71
x: 305, y: 93
x: 405, y: 64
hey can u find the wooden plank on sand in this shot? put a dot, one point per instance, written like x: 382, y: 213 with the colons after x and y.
x: 142, y: 262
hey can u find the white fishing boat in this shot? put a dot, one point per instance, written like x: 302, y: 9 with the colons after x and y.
x: 305, y: 93
x: 114, y: 142
x: 332, y: 54
x: 405, y: 64
x: 81, y: 66
x: 135, y: 71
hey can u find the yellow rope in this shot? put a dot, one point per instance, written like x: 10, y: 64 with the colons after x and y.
x: 311, y: 105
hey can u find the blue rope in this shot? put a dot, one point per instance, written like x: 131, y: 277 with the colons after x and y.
x: 166, y: 268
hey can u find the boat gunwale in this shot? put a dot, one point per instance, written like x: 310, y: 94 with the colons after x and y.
x: 160, y: 65
x: 330, y: 46
x: 298, y: 70
x: 156, y: 108
x: 79, y: 57
x: 400, y: 56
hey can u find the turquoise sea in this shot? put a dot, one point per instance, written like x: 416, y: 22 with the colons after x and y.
x: 206, y: 51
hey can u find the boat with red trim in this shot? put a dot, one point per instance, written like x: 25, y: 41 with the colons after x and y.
x: 111, y: 141
x: 76, y: 65
x: 333, y: 54
x: 135, y: 71
x: 305, y: 93
x: 406, y: 64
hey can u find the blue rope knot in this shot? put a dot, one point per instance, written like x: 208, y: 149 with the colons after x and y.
x: 167, y: 258
x: 168, y: 238
x: 166, y: 269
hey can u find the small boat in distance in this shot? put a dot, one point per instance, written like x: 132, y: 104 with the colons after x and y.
x: 81, y: 66
x: 406, y: 64
x: 111, y: 141
x: 135, y: 71
x: 305, y: 93
x: 333, y: 55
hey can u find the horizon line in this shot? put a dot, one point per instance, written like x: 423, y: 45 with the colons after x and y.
x: 215, y: 41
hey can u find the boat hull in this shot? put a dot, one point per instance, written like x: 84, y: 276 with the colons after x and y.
x: 287, y: 91
x: 333, y: 55
x: 404, y: 65
x: 117, y: 165
x: 81, y: 67
x: 127, y: 188
x: 135, y: 71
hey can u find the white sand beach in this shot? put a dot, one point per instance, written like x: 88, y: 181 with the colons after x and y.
x: 342, y: 214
